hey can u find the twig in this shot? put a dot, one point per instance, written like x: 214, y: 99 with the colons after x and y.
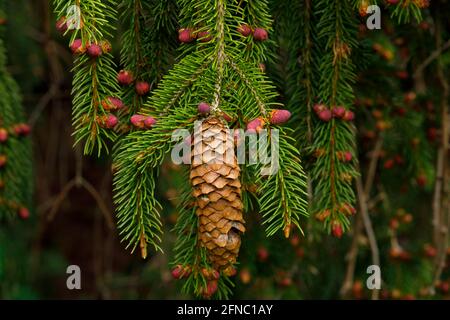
x: 441, y: 207
x: 369, y: 229
x: 434, y: 55
x: 353, y: 251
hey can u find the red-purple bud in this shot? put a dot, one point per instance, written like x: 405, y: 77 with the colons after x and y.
x: 112, y: 103
x: 142, y: 88
x: 279, y: 116
x: 245, y: 30
x: 260, y: 34
x: 94, y: 50
x: 348, y: 156
x: 61, y: 25
x: 3, y: 135
x: 319, y: 107
x: 325, y: 115
x: 348, y: 115
x: 204, y: 36
x: 177, y: 272
x: 255, y: 125
x: 23, y: 213
x: 149, y: 122
x: 204, y: 108
x: 211, y: 288
x: 111, y: 121
x: 22, y: 129
x: 336, y: 229
x: 185, y: 35
x: 125, y: 77
x: 138, y: 120
x: 338, y: 112
x: 77, y: 47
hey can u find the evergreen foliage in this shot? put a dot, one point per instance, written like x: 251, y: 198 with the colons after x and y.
x: 15, y: 148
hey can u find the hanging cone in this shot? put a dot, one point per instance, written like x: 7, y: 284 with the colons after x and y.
x: 217, y: 189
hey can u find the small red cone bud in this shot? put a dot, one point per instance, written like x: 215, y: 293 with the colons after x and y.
x: 94, y: 50
x: 260, y: 34
x: 410, y: 96
x: 106, y: 46
x: 111, y: 121
x: 125, y: 78
x: 430, y: 251
x: 444, y: 287
x: 394, y: 224
x: 348, y: 115
x: 138, y: 120
x: 77, y: 47
x: 336, y: 229
x: 215, y: 274
x: 3, y: 160
x: 61, y: 25
x: 204, y: 108
x: 142, y: 88
x: 227, y: 117
x: 112, y: 103
x: 322, y: 215
x: 211, y: 288
x: 393, y: 2
x: 421, y: 180
x: 204, y: 36
x: 3, y: 135
x: 262, y: 67
x: 206, y: 273
x: 338, y: 112
x: 295, y: 240
x: 325, y: 115
x: 263, y: 254
x: 186, y: 35
x: 149, y: 122
x: 23, y: 213
x: 285, y: 282
x: 230, y: 271
x: 25, y: 129
x: 255, y: 125
x: 347, y: 209
x: 388, y: 164
x: 178, y: 272
x: 245, y: 30
x: 348, y: 156
x: 279, y: 116
x: 186, y: 271
x: 319, y: 107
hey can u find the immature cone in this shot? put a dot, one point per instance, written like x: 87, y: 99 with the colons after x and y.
x: 217, y: 189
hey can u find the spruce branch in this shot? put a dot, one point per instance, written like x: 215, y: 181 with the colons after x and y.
x: 332, y: 178
x: 215, y: 71
x: 15, y: 149
x: 94, y: 76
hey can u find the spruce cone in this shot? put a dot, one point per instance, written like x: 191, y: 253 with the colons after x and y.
x: 217, y: 189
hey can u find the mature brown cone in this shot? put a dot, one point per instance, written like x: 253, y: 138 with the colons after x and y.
x: 217, y: 189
